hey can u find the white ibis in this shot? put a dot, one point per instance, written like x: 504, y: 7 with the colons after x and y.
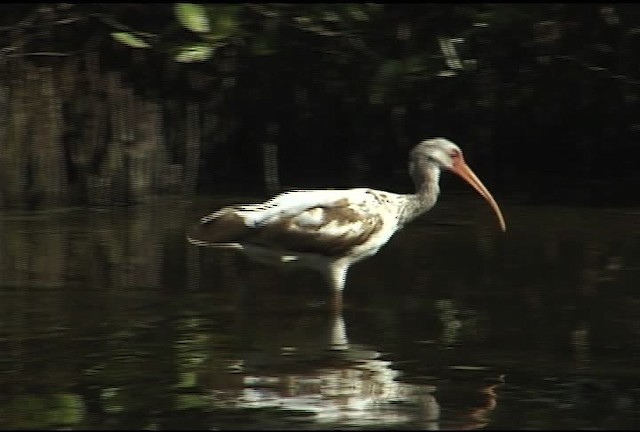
x: 329, y: 230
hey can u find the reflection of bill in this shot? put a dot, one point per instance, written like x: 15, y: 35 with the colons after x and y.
x: 479, y: 417
x: 352, y: 387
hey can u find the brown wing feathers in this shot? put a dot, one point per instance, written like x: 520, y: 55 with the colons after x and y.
x: 286, y: 233
x: 227, y: 227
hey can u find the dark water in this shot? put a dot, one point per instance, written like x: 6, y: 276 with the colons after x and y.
x: 109, y: 320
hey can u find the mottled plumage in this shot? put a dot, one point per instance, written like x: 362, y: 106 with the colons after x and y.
x: 329, y: 230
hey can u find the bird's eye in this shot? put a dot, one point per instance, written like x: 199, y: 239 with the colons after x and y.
x: 454, y: 154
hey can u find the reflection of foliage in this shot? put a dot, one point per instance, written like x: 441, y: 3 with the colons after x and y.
x: 450, y: 322
x: 42, y: 412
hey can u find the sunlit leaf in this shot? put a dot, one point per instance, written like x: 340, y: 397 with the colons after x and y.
x: 129, y: 39
x: 66, y: 409
x: 186, y: 380
x: 194, y: 53
x: 193, y: 17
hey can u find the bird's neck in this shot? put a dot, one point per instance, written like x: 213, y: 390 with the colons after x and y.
x: 426, y: 177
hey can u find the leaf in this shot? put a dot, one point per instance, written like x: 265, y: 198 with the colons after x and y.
x: 129, y: 39
x: 192, y: 16
x: 303, y: 20
x: 225, y: 22
x: 263, y: 46
x: 330, y: 16
x: 390, y: 70
x: 357, y: 12
x: 385, y: 80
x: 197, y: 52
x: 415, y: 64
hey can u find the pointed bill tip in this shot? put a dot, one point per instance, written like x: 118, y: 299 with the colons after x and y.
x: 463, y: 170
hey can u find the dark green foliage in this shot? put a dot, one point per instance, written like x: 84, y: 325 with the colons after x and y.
x: 534, y: 93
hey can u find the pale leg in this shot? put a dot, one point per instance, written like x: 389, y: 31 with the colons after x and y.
x: 337, y: 276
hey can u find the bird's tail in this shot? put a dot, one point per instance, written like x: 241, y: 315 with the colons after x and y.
x: 223, y: 229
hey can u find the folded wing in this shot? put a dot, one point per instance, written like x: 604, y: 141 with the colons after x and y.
x: 330, y: 222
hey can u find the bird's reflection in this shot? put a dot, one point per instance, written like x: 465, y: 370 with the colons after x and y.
x: 339, y: 384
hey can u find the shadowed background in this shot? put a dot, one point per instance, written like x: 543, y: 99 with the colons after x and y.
x: 115, y: 103
x: 125, y: 123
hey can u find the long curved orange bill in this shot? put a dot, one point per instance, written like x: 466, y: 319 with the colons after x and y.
x: 462, y: 169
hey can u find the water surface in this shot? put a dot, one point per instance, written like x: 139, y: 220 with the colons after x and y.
x: 110, y: 320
